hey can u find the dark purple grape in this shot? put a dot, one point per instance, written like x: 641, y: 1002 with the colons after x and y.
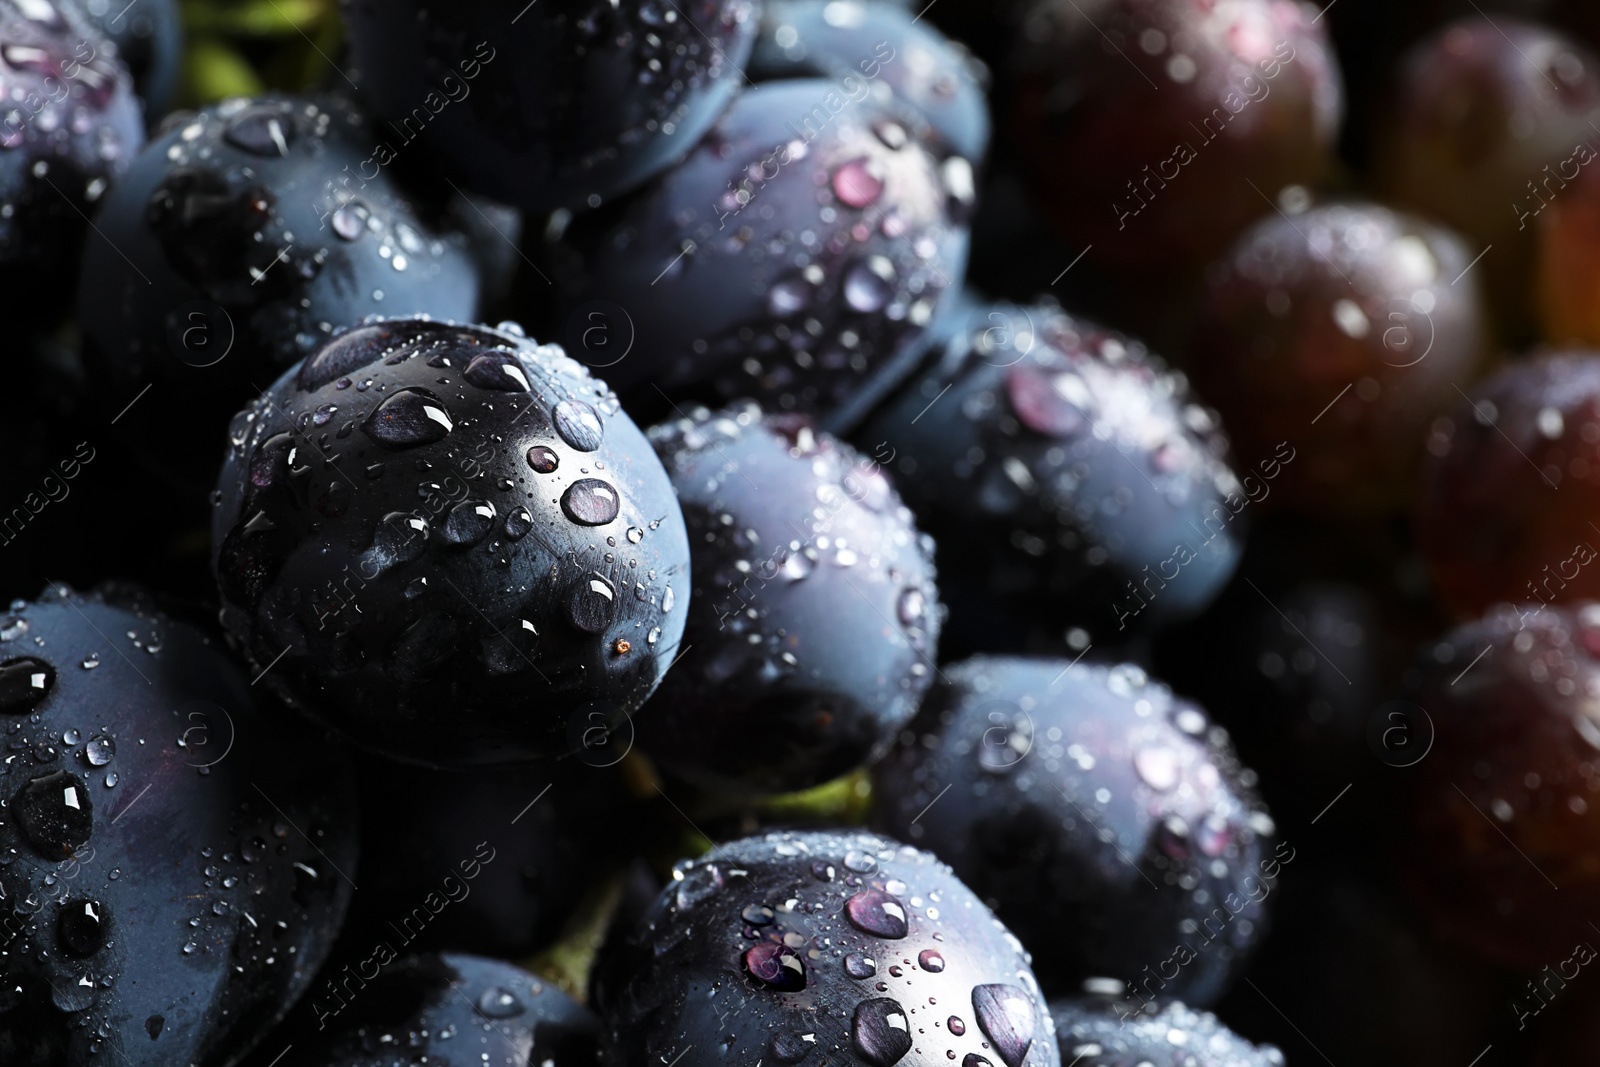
x: 1512, y: 484
x: 1488, y: 123
x: 69, y: 130
x: 856, y: 42
x: 1103, y: 819
x: 812, y: 631
x: 795, y: 256
x: 239, y: 241
x: 149, y: 39
x: 555, y: 105
x: 441, y: 1008
x: 1336, y: 335
x: 173, y: 867
x: 1099, y: 1032
x: 823, y: 947
x: 1503, y: 822
x: 452, y: 544
x: 1066, y: 473
x: 1155, y: 130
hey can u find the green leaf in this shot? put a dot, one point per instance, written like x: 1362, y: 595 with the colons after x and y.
x: 256, y: 18
x: 215, y: 70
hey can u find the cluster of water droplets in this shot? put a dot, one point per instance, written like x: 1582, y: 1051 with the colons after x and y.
x: 850, y: 942
x: 1065, y: 405
x: 1093, y: 1033
x: 520, y: 519
x: 247, y: 900
x: 825, y: 515
x: 1101, y: 777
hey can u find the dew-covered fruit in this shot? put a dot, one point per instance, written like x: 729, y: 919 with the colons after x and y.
x: 1503, y: 810
x: 492, y: 859
x: 1066, y: 473
x: 1102, y: 1032
x: 174, y: 867
x: 1488, y: 123
x: 1153, y: 131
x: 149, y: 40
x: 813, y: 627
x: 860, y: 43
x: 1512, y: 485
x: 70, y: 128
x: 822, y: 947
x: 451, y: 543
x: 239, y: 240
x: 444, y: 1008
x: 1105, y: 820
x: 562, y: 104
x: 794, y: 257
x: 1338, y: 332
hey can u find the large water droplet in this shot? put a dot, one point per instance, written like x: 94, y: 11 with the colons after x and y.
x: 591, y: 604
x: 860, y: 967
x: 262, y: 130
x: 518, y: 523
x: 790, y: 1047
x: 860, y: 862
x: 876, y: 912
x: 911, y: 606
x: 409, y: 418
x: 543, y: 460
x: 500, y: 371
x: 868, y: 284
x: 789, y: 296
x: 1157, y: 765
x: 578, y: 424
x: 100, y: 750
x: 55, y: 813
x: 857, y: 183
x: 1053, y: 404
x: 1007, y: 1015
x: 24, y: 683
x: 499, y: 1003
x: 71, y: 996
x: 400, y: 538
x: 469, y: 522
x: 81, y: 927
x: 881, y: 1032
x: 590, y: 502
x: 349, y: 222
x: 776, y: 966
x: 930, y: 960
x: 757, y: 915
